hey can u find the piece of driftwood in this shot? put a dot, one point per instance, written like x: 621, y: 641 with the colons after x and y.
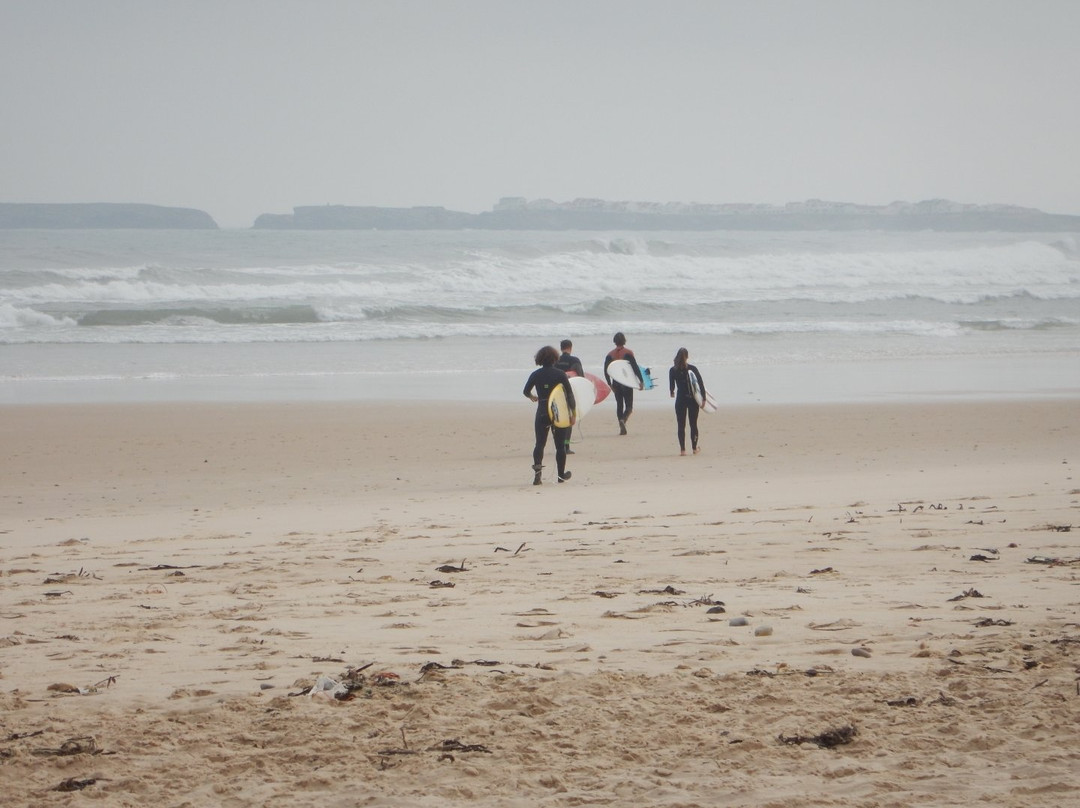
x: 454, y: 745
x: 74, y: 784
x: 829, y: 739
x: 969, y: 593
x: 438, y: 666
x: 667, y: 590
x: 451, y: 567
x: 72, y: 746
x: 504, y: 550
x: 1051, y: 561
x: 706, y: 600
x: 17, y: 736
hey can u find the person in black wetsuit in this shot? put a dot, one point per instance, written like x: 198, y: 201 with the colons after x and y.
x: 538, y: 388
x: 685, y: 403
x: 568, y: 363
x: 624, y: 396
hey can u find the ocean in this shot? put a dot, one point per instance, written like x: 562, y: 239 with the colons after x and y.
x: 768, y: 317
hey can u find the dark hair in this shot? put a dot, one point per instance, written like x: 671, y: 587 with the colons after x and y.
x: 566, y: 345
x: 619, y: 339
x: 681, y: 356
x: 546, y: 356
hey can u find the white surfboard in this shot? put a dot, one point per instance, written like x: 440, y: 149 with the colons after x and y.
x: 584, y: 394
x: 695, y: 387
x: 622, y: 371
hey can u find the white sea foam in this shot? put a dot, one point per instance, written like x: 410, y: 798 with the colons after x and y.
x: 18, y: 317
x: 959, y: 275
x: 751, y: 297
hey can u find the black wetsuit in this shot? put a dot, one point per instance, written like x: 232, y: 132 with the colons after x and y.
x: 543, y: 381
x: 624, y: 396
x: 567, y: 363
x: 685, y: 404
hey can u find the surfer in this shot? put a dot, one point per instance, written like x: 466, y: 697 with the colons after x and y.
x: 624, y: 395
x: 568, y: 363
x: 682, y: 386
x: 539, y: 388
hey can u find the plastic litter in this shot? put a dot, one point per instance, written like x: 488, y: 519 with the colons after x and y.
x: 324, y: 685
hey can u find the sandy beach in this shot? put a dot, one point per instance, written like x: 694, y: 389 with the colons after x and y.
x: 858, y: 605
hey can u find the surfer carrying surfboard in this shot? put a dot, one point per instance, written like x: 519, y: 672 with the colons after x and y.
x: 550, y: 388
x: 688, y: 390
x: 624, y: 393
x: 568, y: 363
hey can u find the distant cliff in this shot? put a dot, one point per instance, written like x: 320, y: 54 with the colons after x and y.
x: 515, y: 213
x: 341, y: 217
x: 102, y: 215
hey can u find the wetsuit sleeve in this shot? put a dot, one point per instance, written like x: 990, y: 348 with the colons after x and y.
x: 671, y: 379
x: 578, y: 369
x: 634, y: 365
x: 607, y: 361
x: 529, y: 385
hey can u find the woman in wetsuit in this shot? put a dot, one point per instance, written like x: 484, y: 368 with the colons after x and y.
x: 685, y: 403
x: 538, y: 388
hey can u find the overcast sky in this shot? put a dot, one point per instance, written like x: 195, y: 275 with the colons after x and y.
x: 242, y: 107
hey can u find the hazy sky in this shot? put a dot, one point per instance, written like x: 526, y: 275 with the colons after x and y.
x: 242, y: 107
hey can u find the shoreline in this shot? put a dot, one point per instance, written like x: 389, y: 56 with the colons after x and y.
x: 194, y: 568
x: 230, y: 373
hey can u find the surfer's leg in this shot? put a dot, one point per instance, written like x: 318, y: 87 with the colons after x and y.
x: 561, y: 440
x: 693, y: 412
x: 620, y: 405
x: 680, y: 421
x: 541, y: 442
x: 541, y: 426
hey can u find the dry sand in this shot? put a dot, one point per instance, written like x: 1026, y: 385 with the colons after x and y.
x: 174, y: 579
